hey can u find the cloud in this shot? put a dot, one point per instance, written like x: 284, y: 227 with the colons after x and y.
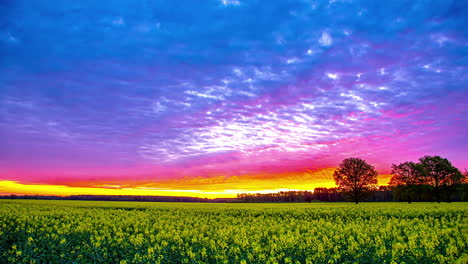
x: 325, y: 39
x: 230, y: 2
x: 237, y: 85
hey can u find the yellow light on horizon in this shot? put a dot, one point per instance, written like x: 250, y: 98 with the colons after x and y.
x: 212, y: 187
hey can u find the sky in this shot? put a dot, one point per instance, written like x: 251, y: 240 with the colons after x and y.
x: 218, y: 97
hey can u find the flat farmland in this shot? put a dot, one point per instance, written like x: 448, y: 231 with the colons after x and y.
x: 40, y: 231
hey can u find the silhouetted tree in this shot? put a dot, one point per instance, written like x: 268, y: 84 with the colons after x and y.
x: 440, y: 174
x: 355, y: 177
x: 405, y: 179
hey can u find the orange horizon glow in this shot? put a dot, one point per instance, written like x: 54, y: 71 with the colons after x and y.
x: 211, y: 187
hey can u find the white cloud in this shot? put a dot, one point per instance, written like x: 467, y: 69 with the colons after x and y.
x: 265, y: 73
x: 158, y: 107
x: 333, y: 76
x: 292, y: 60
x: 325, y: 40
x: 204, y: 95
x: 230, y: 2
x: 440, y: 39
x: 382, y: 71
x: 238, y: 72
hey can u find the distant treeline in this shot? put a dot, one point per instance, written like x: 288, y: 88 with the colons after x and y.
x: 422, y: 193
x: 383, y: 194
x: 128, y: 198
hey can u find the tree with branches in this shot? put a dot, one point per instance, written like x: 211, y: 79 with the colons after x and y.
x: 406, y: 178
x: 355, y: 177
x: 440, y: 174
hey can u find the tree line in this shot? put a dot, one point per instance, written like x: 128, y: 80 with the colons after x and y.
x: 122, y: 198
x: 380, y: 194
x: 432, y: 179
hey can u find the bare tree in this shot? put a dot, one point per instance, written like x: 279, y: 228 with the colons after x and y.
x: 355, y: 177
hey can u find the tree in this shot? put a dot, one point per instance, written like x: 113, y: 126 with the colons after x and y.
x: 440, y: 174
x: 405, y: 173
x: 405, y: 178
x: 355, y: 177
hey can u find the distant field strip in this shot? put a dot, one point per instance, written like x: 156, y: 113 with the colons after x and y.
x: 33, y: 231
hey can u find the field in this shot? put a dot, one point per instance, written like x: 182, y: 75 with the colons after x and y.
x: 33, y: 231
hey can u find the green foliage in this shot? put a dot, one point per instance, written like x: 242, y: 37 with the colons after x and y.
x: 128, y: 232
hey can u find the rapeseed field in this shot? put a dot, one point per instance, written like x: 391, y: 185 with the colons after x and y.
x: 34, y: 231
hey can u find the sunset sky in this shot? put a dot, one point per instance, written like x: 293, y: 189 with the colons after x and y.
x: 218, y: 97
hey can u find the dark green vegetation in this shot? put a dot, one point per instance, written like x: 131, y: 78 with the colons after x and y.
x: 131, y: 232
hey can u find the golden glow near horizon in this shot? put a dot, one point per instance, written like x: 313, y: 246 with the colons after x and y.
x: 12, y: 187
x: 211, y: 187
